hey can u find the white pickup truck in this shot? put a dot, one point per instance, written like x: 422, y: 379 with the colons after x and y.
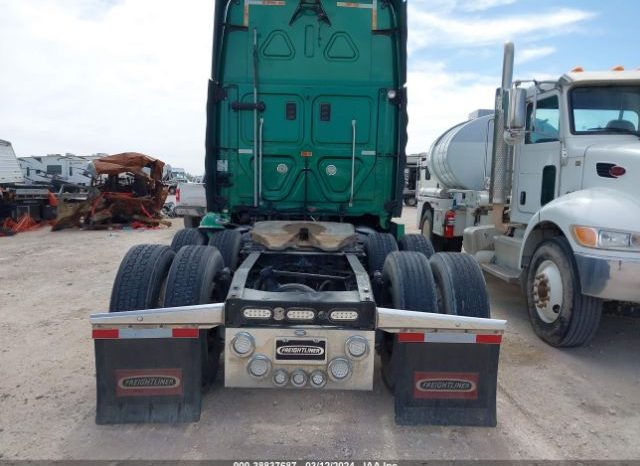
x: 191, y: 203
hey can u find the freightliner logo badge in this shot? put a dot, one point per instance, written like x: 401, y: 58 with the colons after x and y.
x: 148, y: 382
x: 305, y: 350
x: 301, y: 350
x: 443, y: 385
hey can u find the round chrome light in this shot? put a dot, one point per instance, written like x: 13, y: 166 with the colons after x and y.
x: 299, y: 378
x: 318, y: 379
x: 391, y: 94
x: 259, y: 366
x: 280, y: 378
x: 339, y: 369
x: 356, y: 347
x: 243, y: 344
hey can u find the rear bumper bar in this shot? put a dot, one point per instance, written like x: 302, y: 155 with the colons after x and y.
x: 212, y: 315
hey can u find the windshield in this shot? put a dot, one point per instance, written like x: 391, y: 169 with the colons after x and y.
x: 605, y: 109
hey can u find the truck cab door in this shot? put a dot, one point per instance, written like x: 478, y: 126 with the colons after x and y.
x: 539, y: 157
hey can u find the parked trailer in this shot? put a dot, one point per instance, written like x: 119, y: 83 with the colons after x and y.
x: 561, y: 212
x: 68, y: 168
x: 296, y: 275
x: 17, y: 197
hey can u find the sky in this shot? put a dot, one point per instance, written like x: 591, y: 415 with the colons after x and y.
x: 88, y: 76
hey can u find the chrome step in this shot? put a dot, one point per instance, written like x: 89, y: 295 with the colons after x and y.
x: 507, y: 274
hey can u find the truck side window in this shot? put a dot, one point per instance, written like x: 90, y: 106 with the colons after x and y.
x: 547, y: 121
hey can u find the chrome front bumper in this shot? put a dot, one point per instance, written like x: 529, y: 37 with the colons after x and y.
x: 609, y: 277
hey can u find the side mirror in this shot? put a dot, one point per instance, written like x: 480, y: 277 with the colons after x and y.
x: 517, y: 113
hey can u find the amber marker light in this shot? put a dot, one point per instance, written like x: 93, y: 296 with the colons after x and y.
x: 586, y: 236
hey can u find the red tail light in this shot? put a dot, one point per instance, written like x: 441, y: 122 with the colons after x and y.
x: 178, y: 195
x: 449, y: 224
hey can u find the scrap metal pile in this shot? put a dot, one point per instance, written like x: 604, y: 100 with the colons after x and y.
x: 127, y: 190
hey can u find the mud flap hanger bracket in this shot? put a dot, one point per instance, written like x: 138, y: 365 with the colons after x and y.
x: 397, y: 321
x: 201, y: 316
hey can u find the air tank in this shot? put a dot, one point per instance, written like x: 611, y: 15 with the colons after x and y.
x: 461, y: 157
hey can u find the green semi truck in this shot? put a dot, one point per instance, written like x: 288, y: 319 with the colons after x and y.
x: 297, y: 278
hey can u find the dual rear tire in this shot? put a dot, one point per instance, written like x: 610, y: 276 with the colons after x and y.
x: 447, y: 283
x: 152, y: 276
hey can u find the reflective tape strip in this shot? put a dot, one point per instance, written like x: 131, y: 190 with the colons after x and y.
x: 368, y: 6
x: 184, y: 333
x: 247, y: 3
x: 145, y: 333
x: 489, y: 339
x: 355, y: 5
x: 368, y: 152
x: 245, y: 151
x: 140, y: 333
x: 448, y: 337
x: 105, y: 333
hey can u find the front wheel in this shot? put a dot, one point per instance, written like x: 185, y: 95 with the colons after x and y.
x: 559, y: 313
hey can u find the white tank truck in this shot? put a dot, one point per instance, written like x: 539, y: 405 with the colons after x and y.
x: 453, y: 183
x: 561, y: 215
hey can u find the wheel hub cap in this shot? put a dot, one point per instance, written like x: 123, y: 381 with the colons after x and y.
x: 548, y: 291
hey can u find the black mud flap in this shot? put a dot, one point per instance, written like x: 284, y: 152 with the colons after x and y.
x: 148, y: 379
x: 445, y: 383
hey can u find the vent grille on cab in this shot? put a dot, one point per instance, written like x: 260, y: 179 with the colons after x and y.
x: 604, y: 169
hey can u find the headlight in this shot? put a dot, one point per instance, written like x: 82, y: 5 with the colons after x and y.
x: 243, y: 344
x: 613, y: 239
x: 356, y: 347
x: 598, y: 238
x: 259, y: 366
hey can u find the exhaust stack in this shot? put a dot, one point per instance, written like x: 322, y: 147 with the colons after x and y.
x: 502, y: 154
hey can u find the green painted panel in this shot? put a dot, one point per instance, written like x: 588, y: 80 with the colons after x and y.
x: 313, y: 81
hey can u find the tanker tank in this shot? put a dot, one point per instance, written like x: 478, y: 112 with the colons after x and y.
x: 461, y: 157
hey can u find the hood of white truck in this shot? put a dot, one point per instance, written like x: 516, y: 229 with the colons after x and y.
x: 613, y: 165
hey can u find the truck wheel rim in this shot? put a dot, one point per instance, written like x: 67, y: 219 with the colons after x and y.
x: 547, y: 291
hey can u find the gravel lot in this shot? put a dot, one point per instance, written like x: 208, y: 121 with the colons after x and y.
x: 552, y: 404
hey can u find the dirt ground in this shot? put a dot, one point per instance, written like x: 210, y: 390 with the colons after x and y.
x: 552, y: 404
